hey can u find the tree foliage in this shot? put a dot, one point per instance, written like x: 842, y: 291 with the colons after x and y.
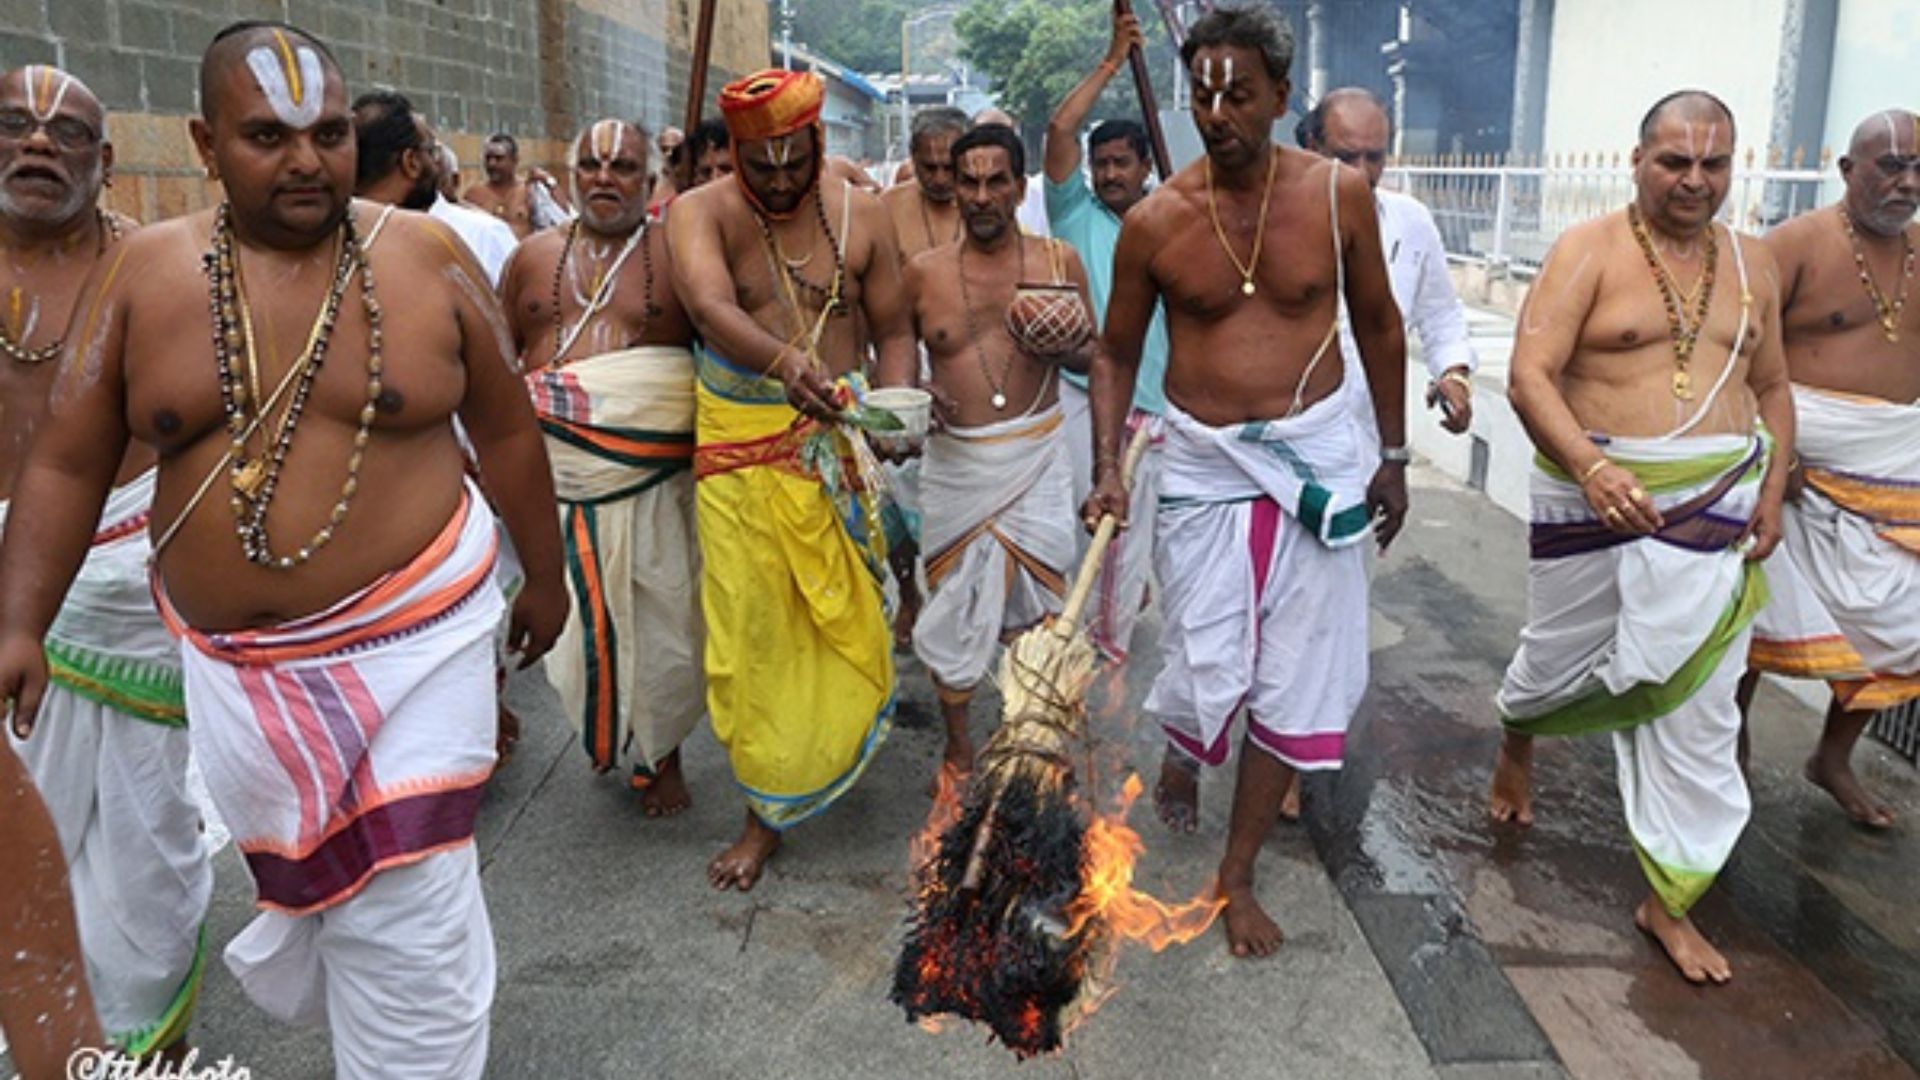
x: 1036, y: 51
x: 862, y: 34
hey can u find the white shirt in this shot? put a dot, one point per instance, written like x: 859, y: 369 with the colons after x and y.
x: 1422, y: 290
x: 1032, y: 214
x: 489, y: 238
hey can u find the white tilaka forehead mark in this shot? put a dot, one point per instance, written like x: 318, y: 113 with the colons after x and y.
x: 604, y: 138
x: 46, y: 89
x: 780, y: 150
x: 1893, y: 132
x: 292, y: 78
x: 1220, y: 88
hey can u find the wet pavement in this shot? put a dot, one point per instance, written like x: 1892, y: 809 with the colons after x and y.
x: 1476, y: 924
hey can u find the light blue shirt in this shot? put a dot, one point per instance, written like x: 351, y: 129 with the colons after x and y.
x: 1083, y: 221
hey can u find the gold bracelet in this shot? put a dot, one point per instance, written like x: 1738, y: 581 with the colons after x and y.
x: 1455, y: 375
x: 1594, y: 468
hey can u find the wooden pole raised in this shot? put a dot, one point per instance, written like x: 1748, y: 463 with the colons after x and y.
x: 1143, y: 86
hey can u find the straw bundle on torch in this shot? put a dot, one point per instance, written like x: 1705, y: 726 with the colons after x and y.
x: 995, y: 937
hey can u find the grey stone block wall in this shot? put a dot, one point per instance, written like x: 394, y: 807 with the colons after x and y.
x: 476, y: 66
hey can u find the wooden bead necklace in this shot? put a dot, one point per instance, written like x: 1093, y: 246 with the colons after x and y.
x: 255, y: 477
x: 109, y: 235
x: 1683, y: 327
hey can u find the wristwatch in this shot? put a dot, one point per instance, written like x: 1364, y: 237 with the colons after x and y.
x: 1398, y: 455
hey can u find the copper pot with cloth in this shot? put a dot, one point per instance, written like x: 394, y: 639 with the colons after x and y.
x: 1049, y: 319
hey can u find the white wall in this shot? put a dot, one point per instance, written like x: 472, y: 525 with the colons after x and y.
x: 1876, y: 65
x: 1612, y: 59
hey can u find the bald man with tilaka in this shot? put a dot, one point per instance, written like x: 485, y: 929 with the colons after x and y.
x: 1648, y: 371
x: 606, y: 347
x: 111, y: 759
x: 296, y: 359
x: 1846, y: 582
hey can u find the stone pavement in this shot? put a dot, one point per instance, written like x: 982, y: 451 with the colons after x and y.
x: 1421, y: 942
x: 618, y: 960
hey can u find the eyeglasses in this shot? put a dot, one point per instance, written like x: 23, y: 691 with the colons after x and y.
x: 69, y: 133
x: 1355, y: 157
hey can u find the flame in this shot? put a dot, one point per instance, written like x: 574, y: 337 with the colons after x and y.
x: 1107, y: 893
x: 949, y: 789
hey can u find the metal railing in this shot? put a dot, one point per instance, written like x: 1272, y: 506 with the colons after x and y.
x: 1507, y: 213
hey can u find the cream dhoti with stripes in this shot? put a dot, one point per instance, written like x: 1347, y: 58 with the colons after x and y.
x: 1263, y: 581
x: 109, y: 756
x: 619, y: 433
x: 348, y: 751
x: 998, y: 528
x: 1646, y: 638
x: 1846, y: 577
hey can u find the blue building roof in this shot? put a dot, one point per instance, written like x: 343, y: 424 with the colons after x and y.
x: 806, y: 58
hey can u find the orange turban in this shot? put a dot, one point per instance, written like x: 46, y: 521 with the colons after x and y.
x: 771, y: 103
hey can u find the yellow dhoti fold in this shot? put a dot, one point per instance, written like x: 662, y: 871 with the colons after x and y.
x: 799, y: 653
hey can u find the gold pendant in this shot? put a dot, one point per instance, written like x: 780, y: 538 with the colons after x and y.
x: 249, y: 476
x: 1683, y: 385
x: 1246, y: 287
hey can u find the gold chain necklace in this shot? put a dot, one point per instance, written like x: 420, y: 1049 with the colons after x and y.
x: 999, y: 387
x: 1252, y: 264
x: 1887, y: 311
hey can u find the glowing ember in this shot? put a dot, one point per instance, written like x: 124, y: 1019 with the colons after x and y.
x: 1022, y: 905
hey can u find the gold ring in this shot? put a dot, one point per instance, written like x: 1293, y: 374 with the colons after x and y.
x: 1610, y: 513
x: 1636, y: 494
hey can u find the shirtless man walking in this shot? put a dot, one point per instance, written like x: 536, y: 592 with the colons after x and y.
x: 1648, y: 349
x: 924, y: 212
x: 111, y: 760
x: 507, y: 196
x: 925, y: 215
x: 1263, y: 570
x: 1846, y: 582
x: 605, y: 345
x: 317, y: 548
x: 771, y: 264
x: 996, y: 481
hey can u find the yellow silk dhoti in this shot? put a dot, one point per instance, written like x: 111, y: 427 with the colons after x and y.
x: 799, y: 651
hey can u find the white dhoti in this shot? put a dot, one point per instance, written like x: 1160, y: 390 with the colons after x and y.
x: 999, y: 527
x: 348, y: 752
x: 109, y: 755
x: 1646, y: 637
x: 619, y: 433
x: 1120, y: 592
x: 1263, y: 583
x: 1846, y: 577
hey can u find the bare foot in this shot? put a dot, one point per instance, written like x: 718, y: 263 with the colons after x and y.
x: 739, y: 866
x: 667, y: 794
x: 1290, y: 802
x: 1698, y: 961
x: 1838, y: 781
x: 1176, y: 798
x: 1511, y: 796
x: 1250, y: 933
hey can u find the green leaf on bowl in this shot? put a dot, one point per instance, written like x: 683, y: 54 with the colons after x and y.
x: 872, y: 418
